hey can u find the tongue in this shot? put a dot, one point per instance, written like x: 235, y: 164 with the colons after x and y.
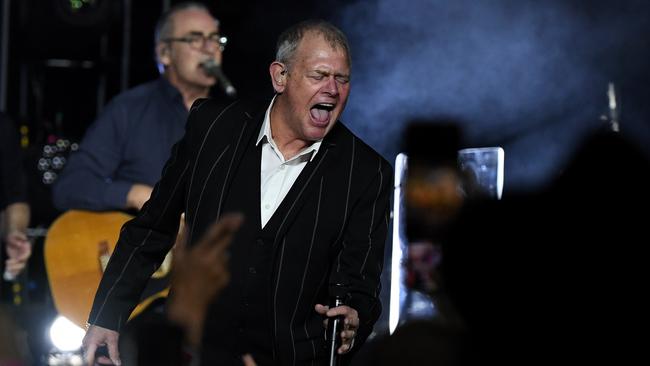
x: 320, y: 115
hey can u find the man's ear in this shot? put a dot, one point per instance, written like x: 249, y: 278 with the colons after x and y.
x: 162, y: 53
x: 278, y: 73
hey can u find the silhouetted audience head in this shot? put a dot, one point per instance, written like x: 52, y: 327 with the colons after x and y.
x: 419, y: 343
x: 560, y: 274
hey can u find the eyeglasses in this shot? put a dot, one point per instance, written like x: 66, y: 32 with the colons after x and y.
x: 197, y: 40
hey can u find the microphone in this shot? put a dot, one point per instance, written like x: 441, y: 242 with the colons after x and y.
x: 212, y: 68
x: 338, y: 297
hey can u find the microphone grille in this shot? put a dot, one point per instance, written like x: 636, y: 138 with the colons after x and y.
x: 210, y: 63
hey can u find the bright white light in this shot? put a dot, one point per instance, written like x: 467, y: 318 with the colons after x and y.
x: 396, y: 258
x: 65, y: 335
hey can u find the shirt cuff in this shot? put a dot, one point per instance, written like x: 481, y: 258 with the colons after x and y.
x: 116, y: 193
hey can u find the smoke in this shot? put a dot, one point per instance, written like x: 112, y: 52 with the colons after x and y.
x: 530, y: 76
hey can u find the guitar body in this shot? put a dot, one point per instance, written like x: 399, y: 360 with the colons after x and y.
x: 76, y: 249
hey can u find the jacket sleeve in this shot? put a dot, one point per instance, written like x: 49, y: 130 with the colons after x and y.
x: 144, y: 241
x: 360, y: 261
x: 87, y: 179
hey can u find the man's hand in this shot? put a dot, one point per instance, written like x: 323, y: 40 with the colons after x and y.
x: 350, y: 324
x: 138, y: 195
x: 97, y: 336
x: 248, y: 360
x: 19, y: 249
x: 199, y: 274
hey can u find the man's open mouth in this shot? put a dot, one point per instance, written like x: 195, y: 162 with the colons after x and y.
x: 321, y: 112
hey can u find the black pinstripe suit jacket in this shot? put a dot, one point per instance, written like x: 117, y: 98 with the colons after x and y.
x: 332, y: 225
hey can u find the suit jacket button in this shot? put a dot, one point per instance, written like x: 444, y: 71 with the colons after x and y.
x: 252, y: 270
x: 260, y: 242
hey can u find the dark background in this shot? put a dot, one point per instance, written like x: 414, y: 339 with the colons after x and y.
x: 526, y: 75
x: 530, y: 76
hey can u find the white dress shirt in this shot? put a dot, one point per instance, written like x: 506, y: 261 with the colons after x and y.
x: 278, y: 174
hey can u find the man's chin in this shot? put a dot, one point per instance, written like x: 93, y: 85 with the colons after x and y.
x: 318, y: 132
x: 203, y: 80
x: 209, y: 82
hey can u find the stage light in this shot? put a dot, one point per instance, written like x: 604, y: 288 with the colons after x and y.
x: 65, y: 335
x: 78, y: 6
x: 399, y: 245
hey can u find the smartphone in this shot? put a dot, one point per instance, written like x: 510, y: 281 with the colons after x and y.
x: 433, y: 181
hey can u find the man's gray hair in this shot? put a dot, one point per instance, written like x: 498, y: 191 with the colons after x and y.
x: 289, y: 40
x: 165, y: 24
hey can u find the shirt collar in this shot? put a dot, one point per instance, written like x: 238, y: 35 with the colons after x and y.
x: 265, y: 133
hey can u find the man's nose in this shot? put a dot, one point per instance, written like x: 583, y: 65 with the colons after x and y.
x: 210, y: 47
x: 332, y: 87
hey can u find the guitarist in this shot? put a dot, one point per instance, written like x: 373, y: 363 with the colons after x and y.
x: 123, y: 152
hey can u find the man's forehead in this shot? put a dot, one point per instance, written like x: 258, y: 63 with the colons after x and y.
x: 314, y: 36
x: 194, y: 20
x: 311, y: 45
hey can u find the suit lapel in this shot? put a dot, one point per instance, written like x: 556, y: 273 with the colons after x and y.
x: 242, y: 139
x: 303, y: 188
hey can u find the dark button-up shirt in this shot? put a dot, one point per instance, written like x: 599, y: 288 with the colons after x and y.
x: 129, y: 143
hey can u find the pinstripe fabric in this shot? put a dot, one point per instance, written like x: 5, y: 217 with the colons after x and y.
x: 372, y: 218
x: 307, y: 334
x: 302, y: 189
x: 347, y: 191
x: 347, y: 202
x: 302, y: 282
x: 198, y: 203
x: 229, y: 169
x: 330, y: 226
x: 128, y: 261
x: 275, y: 292
x: 284, y: 220
x: 195, y: 109
x: 205, y: 138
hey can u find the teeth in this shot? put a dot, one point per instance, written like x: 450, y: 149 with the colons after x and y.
x: 328, y: 106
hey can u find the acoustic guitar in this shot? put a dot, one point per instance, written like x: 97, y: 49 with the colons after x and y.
x: 77, y: 248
